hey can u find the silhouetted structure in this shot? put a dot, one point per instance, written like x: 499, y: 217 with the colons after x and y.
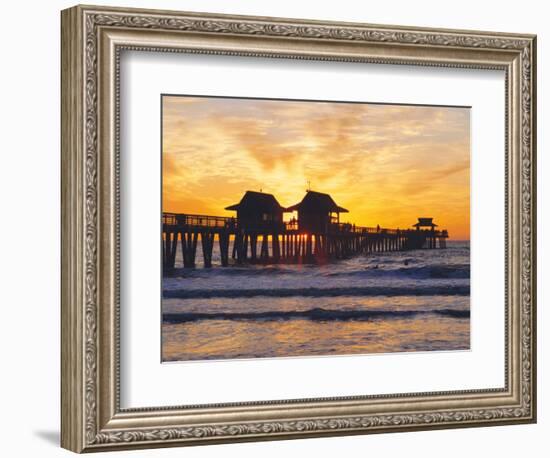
x: 259, y: 216
x: 317, y: 237
x: 427, y: 238
x: 425, y: 222
x: 317, y: 212
x: 258, y: 210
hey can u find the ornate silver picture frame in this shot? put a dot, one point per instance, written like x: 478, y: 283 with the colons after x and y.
x: 93, y: 39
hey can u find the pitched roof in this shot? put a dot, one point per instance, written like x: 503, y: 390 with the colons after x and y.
x: 317, y: 201
x: 259, y: 202
x: 424, y: 222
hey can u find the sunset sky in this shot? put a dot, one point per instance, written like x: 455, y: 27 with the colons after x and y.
x: 387, y: 164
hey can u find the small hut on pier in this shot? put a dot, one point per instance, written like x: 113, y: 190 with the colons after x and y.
x: 317, y: 212
x: 258, y: 211
x: 425, y: 223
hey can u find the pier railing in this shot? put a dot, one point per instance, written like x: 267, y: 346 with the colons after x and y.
x: 231, y: 223
x: 348, y: 227
x: 179, y: 219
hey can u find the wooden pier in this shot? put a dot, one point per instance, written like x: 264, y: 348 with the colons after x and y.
x: 273, y: 241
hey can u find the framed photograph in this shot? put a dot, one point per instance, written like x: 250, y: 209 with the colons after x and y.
x: 278, y: 228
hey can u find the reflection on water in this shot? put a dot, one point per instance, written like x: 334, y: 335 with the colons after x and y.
x: 220, y: 339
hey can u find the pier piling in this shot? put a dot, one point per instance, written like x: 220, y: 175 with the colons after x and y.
x: 283, y: 243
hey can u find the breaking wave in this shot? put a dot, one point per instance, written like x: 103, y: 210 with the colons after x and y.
x: 446, y: 290
x: 316, y: 314
x: 419, y: 272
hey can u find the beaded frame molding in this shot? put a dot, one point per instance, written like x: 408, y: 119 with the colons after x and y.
x: 92, y: 41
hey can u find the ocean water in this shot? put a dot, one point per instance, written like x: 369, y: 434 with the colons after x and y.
x: 402, y: 301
